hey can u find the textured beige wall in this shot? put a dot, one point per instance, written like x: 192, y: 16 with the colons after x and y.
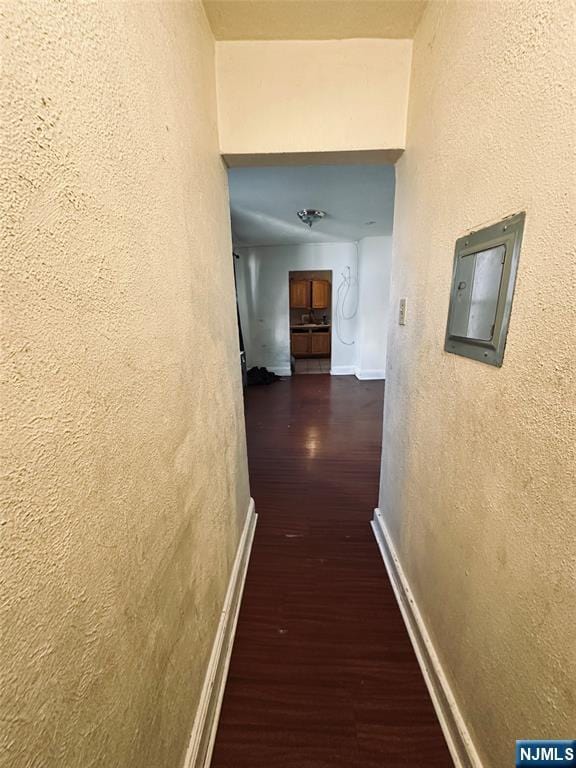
x: 124, y: 481
x: 312, y: 96
x: 478, y: 467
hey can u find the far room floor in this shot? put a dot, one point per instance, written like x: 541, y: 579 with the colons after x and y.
x: 312, y: 365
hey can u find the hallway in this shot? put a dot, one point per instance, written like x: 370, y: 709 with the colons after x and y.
x: 322, y: 672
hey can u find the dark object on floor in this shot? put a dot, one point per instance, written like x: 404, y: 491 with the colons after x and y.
x: 292, y: 363
x: 261, y: 376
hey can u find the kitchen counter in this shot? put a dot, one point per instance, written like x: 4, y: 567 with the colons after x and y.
x: 309, y: 326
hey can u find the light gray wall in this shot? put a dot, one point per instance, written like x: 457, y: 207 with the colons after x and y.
x: 358, y: 344
x: 262, y: 275
x: 374, y: 264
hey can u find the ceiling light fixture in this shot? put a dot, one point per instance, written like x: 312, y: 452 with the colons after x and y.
x: 310, y: 216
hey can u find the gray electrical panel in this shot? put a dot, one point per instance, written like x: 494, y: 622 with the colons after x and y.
x: 483, y: 278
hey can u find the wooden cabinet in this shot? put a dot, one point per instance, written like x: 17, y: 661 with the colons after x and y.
x: 312, y: 342
x: 300, y: 344
x: 320, y: 294
x: 299, y: 294
x: 309, y: 294
x: 319, y: 343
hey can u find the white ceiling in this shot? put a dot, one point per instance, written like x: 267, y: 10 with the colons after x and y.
x: 264, y: 202
x: 313, y: 19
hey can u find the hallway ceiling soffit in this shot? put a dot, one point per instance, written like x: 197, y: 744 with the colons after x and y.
x: 313, y: 19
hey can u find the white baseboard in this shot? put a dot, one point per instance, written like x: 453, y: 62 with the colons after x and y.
x: 342, y: 370
x: 451, y: 720
x: 201, y: 743
x: 367, y: 374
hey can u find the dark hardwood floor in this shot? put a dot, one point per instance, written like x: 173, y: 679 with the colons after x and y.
x: 322, y: 673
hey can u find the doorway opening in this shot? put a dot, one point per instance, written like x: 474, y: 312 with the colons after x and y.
x: 310, y: 315
x: 336, y: 320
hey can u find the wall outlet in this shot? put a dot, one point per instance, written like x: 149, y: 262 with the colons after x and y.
x: 403, y: 308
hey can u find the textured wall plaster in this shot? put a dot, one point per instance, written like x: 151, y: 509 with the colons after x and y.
x: 124, y: 480
x: 312, y: 96
x: 478, y: 465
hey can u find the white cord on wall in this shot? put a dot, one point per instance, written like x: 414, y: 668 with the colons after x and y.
x: 347, y: 283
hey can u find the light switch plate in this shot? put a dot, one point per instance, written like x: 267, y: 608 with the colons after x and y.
x: 402, y: 311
